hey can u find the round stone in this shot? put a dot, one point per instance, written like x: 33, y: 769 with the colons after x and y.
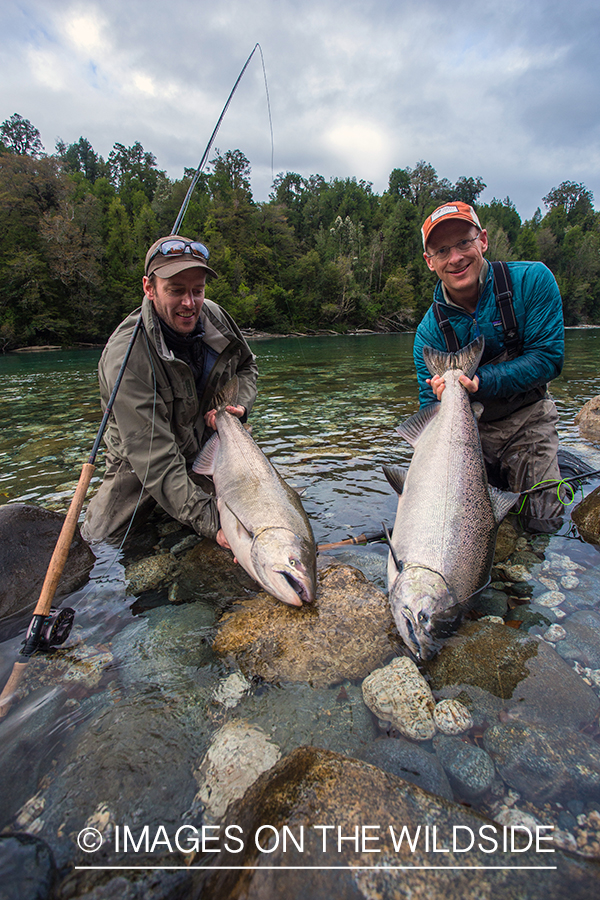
x: 452, y: 717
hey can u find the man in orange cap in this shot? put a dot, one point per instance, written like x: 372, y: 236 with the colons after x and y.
x: 521, y: 320
x: 188, y: 350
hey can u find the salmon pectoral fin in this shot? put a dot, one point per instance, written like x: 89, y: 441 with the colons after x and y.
x: 204, y: 464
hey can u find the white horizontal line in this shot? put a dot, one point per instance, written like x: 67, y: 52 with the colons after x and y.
x: 300, y: 868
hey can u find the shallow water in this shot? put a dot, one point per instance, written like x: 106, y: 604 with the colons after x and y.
x: 325, y: 415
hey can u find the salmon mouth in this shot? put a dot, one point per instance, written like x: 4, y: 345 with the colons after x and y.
x: 298, y: 586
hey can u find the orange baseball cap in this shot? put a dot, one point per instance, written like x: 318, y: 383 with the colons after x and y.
x: 455, y: 210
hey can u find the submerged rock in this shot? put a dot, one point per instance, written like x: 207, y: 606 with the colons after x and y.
x: 27, y: 869
x: 328, y: 815
x: 410, y: 762
x: 451, y: 717
x: 238, y: 754
x: 527, y: 674
x: 470, y: 769
x: 345, y: 633
x: 545, y: 764
x: 28, y: 536
x: 582, y: 638
x: 399, y: 694
x: 506, y: 541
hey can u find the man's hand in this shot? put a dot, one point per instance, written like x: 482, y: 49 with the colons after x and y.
x: 223, y: 542
x: 209, y: 417
x: 438, y: 384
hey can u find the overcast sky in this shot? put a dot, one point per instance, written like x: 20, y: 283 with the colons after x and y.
x: 503, y: 89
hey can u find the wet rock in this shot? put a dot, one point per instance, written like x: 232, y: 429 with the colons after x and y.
x: 483, y: 707
x: 230, y: 691
x: 559, y: 564
x: 513, y: 573
x: 238, y: 754
x: 469, y: 769
x: 506, y: 541
x: 555, y: 634
x: 410, y: 762
x: 588, y: 419
x: 451, y: 717
x: 133, y: 763
x: 296, y: 714
x: 582, y: 641
x: 521, y: 590
x: 149, y: 573
x: 312, y: 788
x: 399, y: 694
x: 28, y: 536
x: 550, y: 599
x: 492, y: 602
x: 345, y: 633
x: 528, y: 674
x: 90, y: 885
x: 24, y: 736
x: 545, y: 764
x: 27, y: 869
x: 529, y: 616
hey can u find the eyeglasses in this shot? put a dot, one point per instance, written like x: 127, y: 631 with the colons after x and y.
x: 444, y: 252
x: 178, y: 248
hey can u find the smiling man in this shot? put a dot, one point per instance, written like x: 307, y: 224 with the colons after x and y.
x: 187, y: 351
x: 524, y: 350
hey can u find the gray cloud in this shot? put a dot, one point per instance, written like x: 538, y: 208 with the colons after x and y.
x: 506, y: 91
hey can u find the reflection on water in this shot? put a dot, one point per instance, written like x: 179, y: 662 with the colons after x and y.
x: 325, y: 414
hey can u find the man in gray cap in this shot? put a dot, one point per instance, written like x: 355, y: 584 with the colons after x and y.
x: 187, y: 350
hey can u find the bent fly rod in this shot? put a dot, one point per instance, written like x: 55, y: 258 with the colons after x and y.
x: 50, y: 627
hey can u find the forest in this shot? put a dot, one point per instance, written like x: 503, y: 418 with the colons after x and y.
x: 317, y: 256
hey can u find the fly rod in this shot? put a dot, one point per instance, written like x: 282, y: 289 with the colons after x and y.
x: 50, y: 627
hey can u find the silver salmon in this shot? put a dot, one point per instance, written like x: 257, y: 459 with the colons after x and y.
x: 442, y: 546
x: 261, y: 516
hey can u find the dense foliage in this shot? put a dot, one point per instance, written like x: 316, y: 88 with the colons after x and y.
x: 318, y: 255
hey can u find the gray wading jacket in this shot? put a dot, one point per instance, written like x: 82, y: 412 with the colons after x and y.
x: 159, y: 433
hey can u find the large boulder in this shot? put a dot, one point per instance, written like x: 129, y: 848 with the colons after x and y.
x: 586, y: 516
x: 345, y: 633
x: 28, y: 536
x: 588, y: 419
x: 321, y: 825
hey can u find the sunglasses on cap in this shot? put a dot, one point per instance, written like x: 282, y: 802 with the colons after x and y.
x: 178, y: 248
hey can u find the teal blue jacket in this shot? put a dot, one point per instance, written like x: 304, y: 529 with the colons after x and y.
x: 538, y: 309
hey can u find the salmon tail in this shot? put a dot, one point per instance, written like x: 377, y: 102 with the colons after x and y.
x: 467, y: 359
x: 228, y: 395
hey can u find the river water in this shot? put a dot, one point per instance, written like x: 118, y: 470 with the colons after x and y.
x: 325, y: 415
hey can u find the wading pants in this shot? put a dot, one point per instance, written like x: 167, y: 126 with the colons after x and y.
x: 520, y: 452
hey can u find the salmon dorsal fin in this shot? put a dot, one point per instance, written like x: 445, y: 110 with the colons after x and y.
x: 502, y: 502
x: 413, y: 428
x: 396, y: 476
x: 204, y: 464
x: 467, y: 359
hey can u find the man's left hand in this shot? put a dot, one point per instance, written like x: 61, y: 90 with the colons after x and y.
x: 209, y: 417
